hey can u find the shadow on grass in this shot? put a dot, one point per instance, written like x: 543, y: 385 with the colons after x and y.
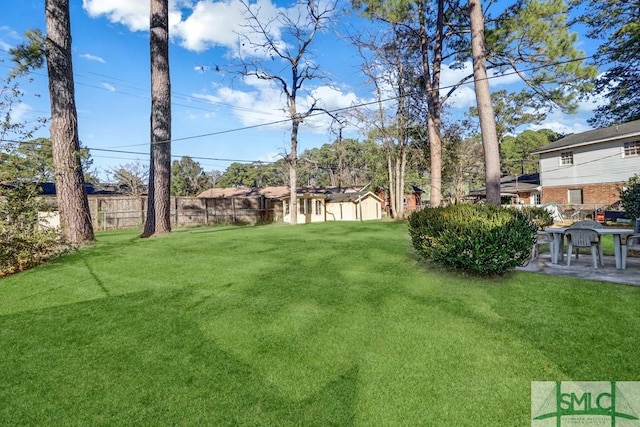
x: 142, y: 358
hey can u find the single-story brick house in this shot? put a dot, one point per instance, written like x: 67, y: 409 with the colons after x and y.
x: 521, y: 189
x: 315, y: 204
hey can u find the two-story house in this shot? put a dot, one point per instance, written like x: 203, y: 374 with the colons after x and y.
x: 589, y: 168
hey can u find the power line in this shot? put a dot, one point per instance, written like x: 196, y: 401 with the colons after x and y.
x: 318, y: 113
x: 34, y: 142
x: 365, y: 104
x: 176, y: 155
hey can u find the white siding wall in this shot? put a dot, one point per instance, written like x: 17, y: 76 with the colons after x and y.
x: 307, y: 216
x: 342, y: 211
x: 592, y: 164
x: 350, y: 211
x: 371, y: 209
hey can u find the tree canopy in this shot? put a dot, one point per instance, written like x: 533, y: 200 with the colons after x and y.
x: 616, y: 25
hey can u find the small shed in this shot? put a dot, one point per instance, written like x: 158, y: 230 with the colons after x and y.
x: 363, y: 205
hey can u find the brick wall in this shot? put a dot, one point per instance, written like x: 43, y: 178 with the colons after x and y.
x: 592, y: 194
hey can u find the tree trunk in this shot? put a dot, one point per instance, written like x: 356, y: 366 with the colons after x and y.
x: 293, y: 171
x: 392, y: 188
x: 401, y: 179
x: 399, y: 185
x: 485, y: 107
x: 73, y: 206
x: 435, y: 161
x: 159, y: 201
x: 432, y: 88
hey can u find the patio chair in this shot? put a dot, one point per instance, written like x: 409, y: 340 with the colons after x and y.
x: 584, y: 238
x: 542, y: 238
x: 587, y: 223
x: 632, y: 244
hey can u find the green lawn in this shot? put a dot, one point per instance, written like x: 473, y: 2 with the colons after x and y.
x: 320, y: 324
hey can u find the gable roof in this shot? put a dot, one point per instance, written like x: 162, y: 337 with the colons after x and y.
x: 611, y: 133
x: 227, y: 192
x: 275, y: 192
x: 351, y: 197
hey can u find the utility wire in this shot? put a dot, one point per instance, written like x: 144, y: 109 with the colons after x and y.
x: 343, y: 109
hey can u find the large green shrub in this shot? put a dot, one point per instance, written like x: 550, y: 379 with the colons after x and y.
x: 482, y: 239
x: 23, y: 244
x: 630, y: 197
x: 538, y: 215
x: 21, y: 250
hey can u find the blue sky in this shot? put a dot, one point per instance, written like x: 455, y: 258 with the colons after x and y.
x: 216, y: 119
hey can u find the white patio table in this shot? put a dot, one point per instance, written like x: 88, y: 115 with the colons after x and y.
x: 558, y: 239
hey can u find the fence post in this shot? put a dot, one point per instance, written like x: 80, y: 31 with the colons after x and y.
x: 206, y: 211
x: 233, y: 209
x: 141, y: 210
x: 175, y: 203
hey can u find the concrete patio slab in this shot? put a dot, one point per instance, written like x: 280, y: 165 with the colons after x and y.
x: 582, y: 268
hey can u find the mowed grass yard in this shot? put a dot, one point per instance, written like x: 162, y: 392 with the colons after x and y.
x: 320, y: 324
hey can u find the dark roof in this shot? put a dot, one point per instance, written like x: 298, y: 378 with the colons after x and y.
x: 49, y: 188
x: 593, y: 137
x: 348, y: 197
x: 510, y: 185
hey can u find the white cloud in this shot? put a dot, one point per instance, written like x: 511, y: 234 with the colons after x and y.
x: 8, y: 33
x: 329, y: 98
x: 219, y: 23
x: 464, y: 96
x: 563, y: 123
x: 264, y: 103
x: 270, y: 157
x: 109, y: 87
x: 503, y: 79
x: 132, y: 14
x: 21, y: 112
x: 90, y: 57
x: 208, y: 23
x: 591, y: 103
x: 211, y: 24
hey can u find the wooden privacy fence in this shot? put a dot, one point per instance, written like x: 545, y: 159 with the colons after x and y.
x: 113, y: 212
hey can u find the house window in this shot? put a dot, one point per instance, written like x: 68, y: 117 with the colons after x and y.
x: 318, y: 207
x: 301, y: 209
x: 536, y: 198
x: 566, y: 158
x: 307, y: 209
x: 575, y: 196
x: 631, y: 148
